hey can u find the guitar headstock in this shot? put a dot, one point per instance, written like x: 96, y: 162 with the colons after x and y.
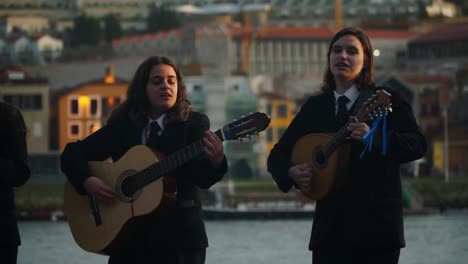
x: 246, y: 126
x: 377, y: 105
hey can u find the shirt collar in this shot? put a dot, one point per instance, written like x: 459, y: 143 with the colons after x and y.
x: 159, y: 120
x: 352, y: 93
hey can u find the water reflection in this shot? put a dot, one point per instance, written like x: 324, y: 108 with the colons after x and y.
x: 431, y: 239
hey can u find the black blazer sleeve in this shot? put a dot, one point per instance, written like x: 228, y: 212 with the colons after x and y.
x: 200, y: 171
x: 279, y: 160
x: 14, y: 170
x: 405, y: 141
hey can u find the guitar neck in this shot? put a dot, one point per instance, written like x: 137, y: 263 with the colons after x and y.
x: 175, y: 160
x: 338, y: 139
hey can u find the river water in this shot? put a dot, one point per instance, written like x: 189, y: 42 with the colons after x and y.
x: 430, y: 239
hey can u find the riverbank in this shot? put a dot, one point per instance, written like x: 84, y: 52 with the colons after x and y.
x: 259, y: 199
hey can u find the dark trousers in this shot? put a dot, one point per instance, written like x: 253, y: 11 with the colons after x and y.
x: 351, y: 255
x: 163, y: 256
x: 8, y: 254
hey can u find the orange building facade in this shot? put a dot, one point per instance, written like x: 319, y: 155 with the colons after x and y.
x: 85, y: 108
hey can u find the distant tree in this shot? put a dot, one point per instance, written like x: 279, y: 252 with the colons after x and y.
x: 17, y: 31
x: 86, y: 31
x: 161, y: 19
x: 112, y: 27
x: 422, y: 10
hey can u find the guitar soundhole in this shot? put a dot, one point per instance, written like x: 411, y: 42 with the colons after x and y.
x: 320, y: 159
x: 128, y: 188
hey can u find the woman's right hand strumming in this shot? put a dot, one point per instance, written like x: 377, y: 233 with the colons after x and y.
x: 99, y: 190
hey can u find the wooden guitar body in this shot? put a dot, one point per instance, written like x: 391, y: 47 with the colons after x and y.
x: 98, y: 238
x: 328, y: 173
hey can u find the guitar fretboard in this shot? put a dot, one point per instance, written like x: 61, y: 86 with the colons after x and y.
x: 337, y: 140
x: 178, y: 158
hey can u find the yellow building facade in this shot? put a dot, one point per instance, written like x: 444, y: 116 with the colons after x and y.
x: 281, y: 111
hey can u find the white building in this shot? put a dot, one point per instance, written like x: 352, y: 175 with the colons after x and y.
x: 37, y: 49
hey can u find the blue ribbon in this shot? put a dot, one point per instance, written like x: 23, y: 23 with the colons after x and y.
x: 369, y: 136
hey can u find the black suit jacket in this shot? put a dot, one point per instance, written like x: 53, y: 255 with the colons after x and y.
x: 169, y: 228
x: 14, y: 170
x: 367, y: 211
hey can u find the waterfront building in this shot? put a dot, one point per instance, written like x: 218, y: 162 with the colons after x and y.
x: 31, y: 95
x: 442, y: 49
x: 27, y: 24
x: 33, y: 50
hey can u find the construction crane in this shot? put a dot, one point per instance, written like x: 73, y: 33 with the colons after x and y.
x: 338, y: 15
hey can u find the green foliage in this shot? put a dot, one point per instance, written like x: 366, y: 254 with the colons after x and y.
x: 422, y: 14
x: 436, y: 192
x: 112, y: 28
x: 162, y: 19
x: 39, y: 197
x: 86, y: 31
x: 241, y: 169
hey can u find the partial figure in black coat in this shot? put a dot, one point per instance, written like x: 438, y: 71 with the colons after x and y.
x: 14, y: 172
x: 176, y: 232
x: 361, y: 222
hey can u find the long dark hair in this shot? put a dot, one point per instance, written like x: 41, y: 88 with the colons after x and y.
x: 137, y: 105
x: 366, y: 78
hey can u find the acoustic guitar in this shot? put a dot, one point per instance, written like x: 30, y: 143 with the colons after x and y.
x: 137, y: 178
x: 327, y: 155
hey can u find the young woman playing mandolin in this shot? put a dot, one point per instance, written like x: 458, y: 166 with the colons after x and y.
x: 157, y: 114
x: 358, y: 217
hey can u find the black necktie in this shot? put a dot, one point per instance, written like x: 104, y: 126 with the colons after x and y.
x: 153, y: 138
x: 342, y: 114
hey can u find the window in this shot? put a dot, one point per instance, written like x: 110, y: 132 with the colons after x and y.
x: 282, y: 110
x: 73, y: 106
x: 269, y: 109
x: 93, y: 126
x: 74, y: 130
x: 108, y: 104
x: 25, y: 102
x: 94, y: 106
x: 269, y: 135
x: 197, y: 88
